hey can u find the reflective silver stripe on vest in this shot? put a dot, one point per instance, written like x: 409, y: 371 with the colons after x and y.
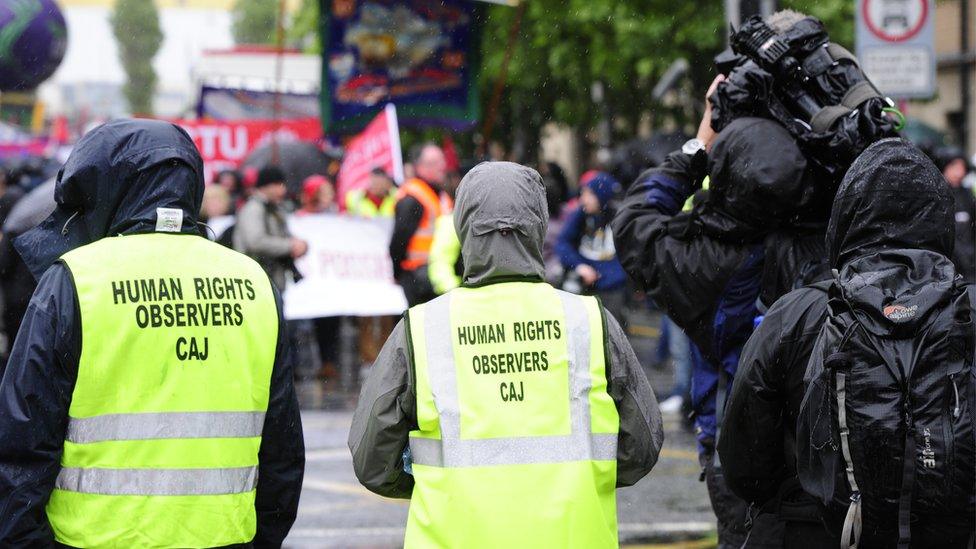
x: 165, y: 425
x: 440, y: 366
x: 578, y: 343
x: 452, y: 451
x: 514, y: 450
x: 158, y: 482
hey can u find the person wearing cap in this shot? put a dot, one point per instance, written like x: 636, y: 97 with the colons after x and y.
x: 508, y: 411
x: 585, y: 245
x: 378, y: 199
x: 261, y: 231
x: 148, y: 400
x: 318, y: 196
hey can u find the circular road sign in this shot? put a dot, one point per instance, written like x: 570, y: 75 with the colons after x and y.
x: 895, y: 20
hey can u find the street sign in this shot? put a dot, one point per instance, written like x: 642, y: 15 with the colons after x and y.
x: 895, y: 46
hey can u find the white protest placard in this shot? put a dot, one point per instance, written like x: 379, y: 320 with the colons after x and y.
x: 347, y: 270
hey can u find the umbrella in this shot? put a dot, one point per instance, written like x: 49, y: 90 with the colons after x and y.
x: 298, y: 159
x: 630, y: 159
x: 30, y: 210
x: 922, y: 135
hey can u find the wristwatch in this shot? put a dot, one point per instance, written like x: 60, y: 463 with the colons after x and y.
x: 693, y: 146
x: 697, y: 158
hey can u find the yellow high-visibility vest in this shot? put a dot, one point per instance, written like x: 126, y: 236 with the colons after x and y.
x: 177, y: 348
x: 357, y: 203
x: 444, y: 253
x: 517, y: 438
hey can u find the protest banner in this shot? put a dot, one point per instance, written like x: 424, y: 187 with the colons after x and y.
x: 223, y: 144
x: 347, y: 270
x: 421, y: 56
x: 377, y: 146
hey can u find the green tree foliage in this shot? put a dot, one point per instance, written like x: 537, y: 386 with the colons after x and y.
x: 253, y: 21
x: 135, y: 24
x: 304, y: 27
x: 565, y: 46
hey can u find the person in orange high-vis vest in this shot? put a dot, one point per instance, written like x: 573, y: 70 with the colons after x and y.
x: 419, y: 203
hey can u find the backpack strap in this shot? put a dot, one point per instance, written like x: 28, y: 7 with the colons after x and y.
x: 857, y: 94
x: 907, y: 487
x: 838, y: 53
x: 825, y: 117
x: 839, y: 363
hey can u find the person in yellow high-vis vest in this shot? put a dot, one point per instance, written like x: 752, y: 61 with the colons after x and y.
x: 378, y: 199
x: 444, y: 265
x: 508, y: 411
x: 148, y: 398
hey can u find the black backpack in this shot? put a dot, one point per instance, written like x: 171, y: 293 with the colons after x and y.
x: 885, y: 431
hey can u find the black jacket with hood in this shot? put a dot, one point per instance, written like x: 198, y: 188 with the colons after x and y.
x: 744, y: 245
x: 116, y: 177
x: 501, y: 218
x: 893, y: 216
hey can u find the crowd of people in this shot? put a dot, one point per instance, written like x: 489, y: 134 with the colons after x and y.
x: 248, y: 212
x: 818, y: 311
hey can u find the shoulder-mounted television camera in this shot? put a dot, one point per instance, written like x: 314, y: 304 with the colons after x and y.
x: 810, y: 85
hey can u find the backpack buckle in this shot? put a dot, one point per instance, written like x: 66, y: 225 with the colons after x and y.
x: 838, y: 361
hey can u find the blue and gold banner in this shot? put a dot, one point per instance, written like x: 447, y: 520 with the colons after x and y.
x: 420, y: 55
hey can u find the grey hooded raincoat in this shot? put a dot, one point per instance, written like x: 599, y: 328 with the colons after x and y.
x: 501, y: 219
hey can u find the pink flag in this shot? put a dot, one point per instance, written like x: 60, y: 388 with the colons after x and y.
x: 378, y: 146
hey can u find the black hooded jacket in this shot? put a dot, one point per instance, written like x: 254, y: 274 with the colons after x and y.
x: 708, y: 268
x: 689, y: 261
x: 893, y: 217
x: 112, y: 184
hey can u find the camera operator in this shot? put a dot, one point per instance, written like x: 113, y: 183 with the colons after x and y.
x: 712, y: 269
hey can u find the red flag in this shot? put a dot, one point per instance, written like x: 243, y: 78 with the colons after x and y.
x: 450, y: 153
x: 377, y: 146
x: 59, y: 130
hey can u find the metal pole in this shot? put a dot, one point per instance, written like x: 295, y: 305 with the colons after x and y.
x: 965, y: 80
x: 496, y: 95
x: 279, y: 67
x: 738, y: 10
x: 731, y: 18
x: 604, y: 127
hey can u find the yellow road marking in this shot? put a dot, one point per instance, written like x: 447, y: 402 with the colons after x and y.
x: 346, y: 488
x: 645, y: 331
x: 680, y: 454
x: 694, y: 544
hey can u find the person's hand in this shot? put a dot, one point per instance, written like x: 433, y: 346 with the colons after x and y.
x: 587, y: 273
x: 298, y: 247
x: 705, y: 132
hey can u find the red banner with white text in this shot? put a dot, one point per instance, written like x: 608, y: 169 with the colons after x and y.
x: 223, y: 144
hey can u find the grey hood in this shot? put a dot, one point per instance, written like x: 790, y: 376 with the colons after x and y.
x: 501, y: 217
